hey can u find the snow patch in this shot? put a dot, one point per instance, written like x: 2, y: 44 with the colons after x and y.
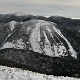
x: 35, y: 39
x: 47, y: 48
x: 8, y: 45
x: 21, y: 22
x: 59, y: 49
x: 12, y: 24
x: 28, y: 29
x: 19, y: 44
x: 8, y: 73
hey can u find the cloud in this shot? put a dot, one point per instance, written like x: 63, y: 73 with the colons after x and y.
x: 42, y: 7
x: 45, y: 2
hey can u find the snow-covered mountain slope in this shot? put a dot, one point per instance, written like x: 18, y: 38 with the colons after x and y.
x: 40, y: 36
x: 8, y: 73
x: 19, y: 13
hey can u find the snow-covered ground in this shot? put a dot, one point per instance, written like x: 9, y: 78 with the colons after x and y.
x: 49, y: 29
x: 8, y: 73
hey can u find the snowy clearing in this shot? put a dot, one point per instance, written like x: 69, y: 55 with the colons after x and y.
x: 8, y: 73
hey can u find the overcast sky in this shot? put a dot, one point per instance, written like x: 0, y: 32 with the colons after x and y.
x: 68, y: 8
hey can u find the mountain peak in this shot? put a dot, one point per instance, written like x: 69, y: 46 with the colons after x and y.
x: 20, y: 13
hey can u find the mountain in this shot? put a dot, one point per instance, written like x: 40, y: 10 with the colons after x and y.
x: 45, y: 45
x: 39, y: 36
x: 19, y: 13
x: 15, y: 17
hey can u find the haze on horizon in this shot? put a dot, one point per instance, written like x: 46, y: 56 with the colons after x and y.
x: 67, y: 8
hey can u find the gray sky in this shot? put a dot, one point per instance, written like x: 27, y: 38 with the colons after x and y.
x: 68, y: 8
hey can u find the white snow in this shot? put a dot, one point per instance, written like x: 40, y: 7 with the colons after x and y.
x: 19, y: 44
x: 8, y: 73
x: 47, y: 48
x: 21, y: 22
x: 35, y: 39
x: 59, y: 49
x: 8, y: 45
x: 55, y: 50
x: 73, y: 52
x: 12, y: 24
